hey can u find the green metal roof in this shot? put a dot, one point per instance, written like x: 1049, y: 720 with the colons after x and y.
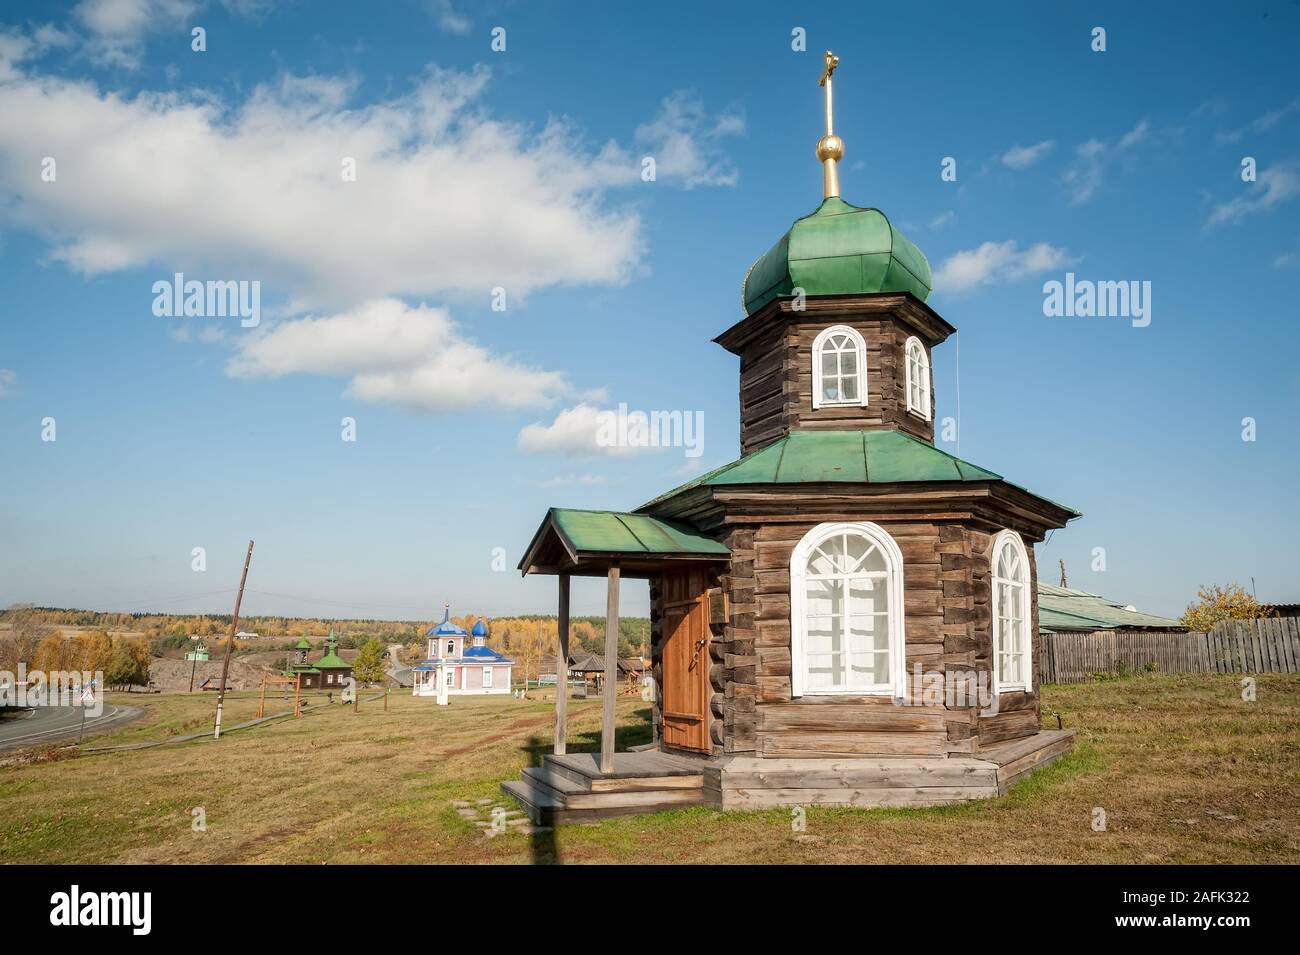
x: 1060, y: 608
x: 615, y: 532
x: 838, y: 249
x: 302, y: 644
x: 860, y: 457
x: 330, y: 659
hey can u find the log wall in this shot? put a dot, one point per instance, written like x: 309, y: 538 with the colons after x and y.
x: 776, y: 384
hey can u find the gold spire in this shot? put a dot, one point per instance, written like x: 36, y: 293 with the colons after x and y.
x: 830, y: 148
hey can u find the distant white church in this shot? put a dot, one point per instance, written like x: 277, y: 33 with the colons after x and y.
x: 465, y: 671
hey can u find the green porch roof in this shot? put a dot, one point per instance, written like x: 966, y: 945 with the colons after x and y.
x: 1061, y: 608
x: 839, y: 249
x: 619, y: 533
x: 577, y: 541
x: 858, y: 457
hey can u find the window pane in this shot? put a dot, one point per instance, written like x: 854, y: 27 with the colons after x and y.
x: 831, y: 389
x: 824, y: 598
x: 828, y: 362
x: 867, y: 595
x: 828, y: 558
x: 849, y: 384
x: 849, y: 362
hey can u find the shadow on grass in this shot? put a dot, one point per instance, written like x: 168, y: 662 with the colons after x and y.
x: 543, y: 846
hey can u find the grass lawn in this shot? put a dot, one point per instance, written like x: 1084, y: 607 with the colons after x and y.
x: 1184, y: 769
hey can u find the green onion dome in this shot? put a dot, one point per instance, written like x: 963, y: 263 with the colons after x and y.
x: 838, y: 250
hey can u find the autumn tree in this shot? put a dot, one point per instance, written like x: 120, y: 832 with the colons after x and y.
x: 369, y: 664
x: 26, y: 631
x: 52, y: 653
x: 129, y: 663
x: 91, y: 651
x: 1214, y: 604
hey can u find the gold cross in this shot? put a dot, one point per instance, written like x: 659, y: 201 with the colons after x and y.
x: 832, y: 61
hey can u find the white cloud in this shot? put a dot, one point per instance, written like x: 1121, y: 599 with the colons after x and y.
x: 1135, y: 135
x: 997, y: 262
x: 585, y: 431
x: 1022, y: 157
x: 446, y: 200
x: 116, y: 29
x: 451, y: 20
x: 573, y: 432
x: 685, y: 142
x: 1275, y: 184
x: 391, y: 352
x: 7, y: 379
x: 1287, y: 260
x: 943, y: 219
x: 1260, y: 124
x: 1084, y: 176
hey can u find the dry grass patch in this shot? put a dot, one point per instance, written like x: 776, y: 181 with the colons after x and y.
x: 1185, y: 771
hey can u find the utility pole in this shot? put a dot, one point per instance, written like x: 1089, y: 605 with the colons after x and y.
x: 230, y: 642
x: 1064, y: 582
x: 194, y: 662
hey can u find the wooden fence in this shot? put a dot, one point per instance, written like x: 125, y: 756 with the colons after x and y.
x: 1270, y: 645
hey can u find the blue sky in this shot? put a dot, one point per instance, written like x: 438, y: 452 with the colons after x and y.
x: 521, y: 170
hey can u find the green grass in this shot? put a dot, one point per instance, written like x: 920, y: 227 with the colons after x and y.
x: 1184, y: 769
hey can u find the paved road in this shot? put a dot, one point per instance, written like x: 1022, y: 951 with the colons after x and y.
x: 48, y: 724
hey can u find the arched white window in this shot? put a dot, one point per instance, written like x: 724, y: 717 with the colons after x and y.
x: 846, y: 612
x: 451, y: 648
x: 918, y: 378
x: 1013, y: 647
x: 839, y: 358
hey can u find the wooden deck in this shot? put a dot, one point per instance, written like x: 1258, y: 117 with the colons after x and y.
x: 872, y: 782
x: 572, y: 788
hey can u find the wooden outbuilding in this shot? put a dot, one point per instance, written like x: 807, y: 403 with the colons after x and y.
x: 844, y: 615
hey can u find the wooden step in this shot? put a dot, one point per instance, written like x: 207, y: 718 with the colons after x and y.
x: 540, y: 806
x: 632, y: 772
x: 576, y: 796
x: 559, y: 784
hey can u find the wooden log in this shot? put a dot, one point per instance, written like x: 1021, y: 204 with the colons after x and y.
x: 562, y: 668
x: 610, y: 689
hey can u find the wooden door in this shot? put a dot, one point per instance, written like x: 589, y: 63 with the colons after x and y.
x: 685, y: 693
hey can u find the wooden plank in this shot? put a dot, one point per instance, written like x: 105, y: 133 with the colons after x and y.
x: 861, y: 798
x: 1001, y: 754
x: 900, y: 772
x: 852, y: 744
x: 774, y: 718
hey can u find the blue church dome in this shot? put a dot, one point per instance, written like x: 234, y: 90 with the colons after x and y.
x: 480, y: 629
x: 446, y: 628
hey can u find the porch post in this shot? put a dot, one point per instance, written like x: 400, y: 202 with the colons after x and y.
x: 610, y: 689
x: 562, y: 668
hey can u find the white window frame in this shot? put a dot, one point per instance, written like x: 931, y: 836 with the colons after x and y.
x: 1024, y: 639
x: 798, y: 626
x: 856, y: 337
x: 917, y: 362
x: 451, y: 648
x: 487, y: 678
x: 450, y: 678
